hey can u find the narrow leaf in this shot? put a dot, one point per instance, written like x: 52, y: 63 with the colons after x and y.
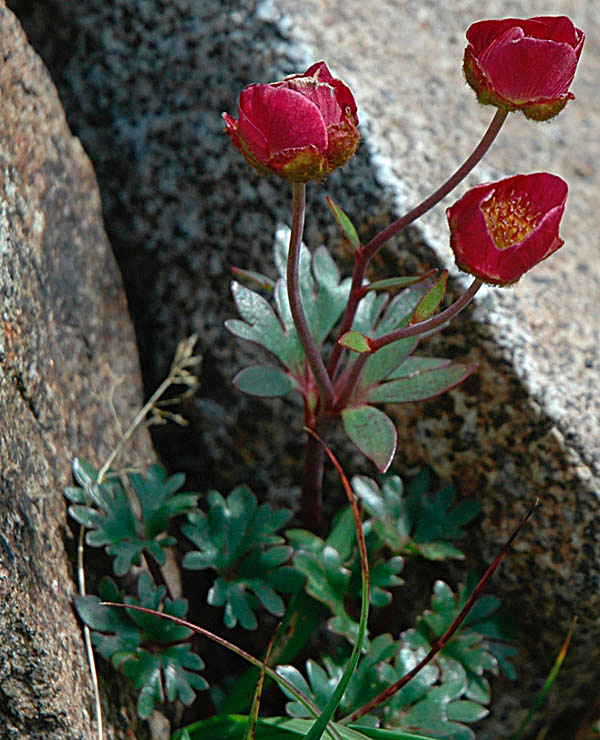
x: 355, y: 341
x: 399, y: 282
x: 431, y: 300
x: 231, y: 727
x: 254, y: 709
x: 373, y: 433
x: 420, y: 386
x: 265, y: 381
x: 345, y: 225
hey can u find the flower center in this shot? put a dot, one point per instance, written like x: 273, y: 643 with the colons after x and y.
x: 509, y: 219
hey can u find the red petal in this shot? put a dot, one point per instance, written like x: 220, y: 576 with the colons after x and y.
x: 278, y: 118
x: 322, y: 95
x: 556, y: 28
x: 541, y: 189
x: 474, y: 249
x: 523, y: 69
x: 320, y: 71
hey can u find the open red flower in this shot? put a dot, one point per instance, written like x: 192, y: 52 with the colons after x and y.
x: 300, y: 128
x: 524, y: 64
x: 500, y: 230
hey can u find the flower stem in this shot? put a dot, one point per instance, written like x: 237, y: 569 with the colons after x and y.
x: 312, y: 478
x: 312, y: 486
x: 365, y: 254
x: 318, y: 728
x: 477, y: 154
x: 421, y: 327
x: 433, y: 322
x: 308, y: 343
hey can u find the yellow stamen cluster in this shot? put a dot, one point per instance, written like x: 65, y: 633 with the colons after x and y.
x: 509, y: 219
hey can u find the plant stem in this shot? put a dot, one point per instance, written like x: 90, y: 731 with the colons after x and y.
x: 365, y: 254
x: 421, y: 327
x: 317, y: 730
x: 433, y: 322
x: 312, y: 477
x: 475, y: 157
x: 391, y: 690
x: 308, y: 343
x: 312, y: 486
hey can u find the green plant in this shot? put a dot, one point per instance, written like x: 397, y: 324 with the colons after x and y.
x: 346, y: 346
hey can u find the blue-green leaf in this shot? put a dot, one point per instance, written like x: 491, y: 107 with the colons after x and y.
x: 372, y: 432
x: 238, y: 539
x: 261, y: 326
x: 265, y: 381
x: 420, y: 385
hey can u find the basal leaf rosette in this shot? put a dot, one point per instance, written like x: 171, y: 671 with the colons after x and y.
x: 500, y: 230
x: 524, y: 64
x: 300, y: 128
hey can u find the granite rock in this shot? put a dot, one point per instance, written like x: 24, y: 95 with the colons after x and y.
x: 67, y: 355
x: 144, y: 83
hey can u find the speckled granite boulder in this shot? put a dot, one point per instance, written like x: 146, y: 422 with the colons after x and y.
x: 67, y: 351
x: 144, y: 83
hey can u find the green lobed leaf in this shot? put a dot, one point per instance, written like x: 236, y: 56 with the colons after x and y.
x: 415, y: 521
x: 372, y: 432
x: 261, y: 326
x: 113, y: 521
x: 238, y: 539
x: 264, y: 381
x: 431, y: 300
x: 160, y: 498
x: 345, y: 224
x: 421, y: 385
x: 142, y: 645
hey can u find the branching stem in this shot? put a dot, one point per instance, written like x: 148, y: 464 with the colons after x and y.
x: 365, y: 254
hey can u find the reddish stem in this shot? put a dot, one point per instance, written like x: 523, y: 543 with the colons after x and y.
x: 421, y: 327
x: 312, y: 485
x: 313, y: 355
x: 391, y: 690
x: 365, y: 254
x: 433, y: 322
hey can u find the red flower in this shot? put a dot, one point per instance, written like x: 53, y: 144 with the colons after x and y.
x: 300, y: 128
x: 500, y: 230
x: 522, y: 64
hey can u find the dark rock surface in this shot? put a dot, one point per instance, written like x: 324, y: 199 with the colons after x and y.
x: 67, y: 352
x: 144, y: 85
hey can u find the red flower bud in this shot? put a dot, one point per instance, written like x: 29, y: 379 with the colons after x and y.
x: 526, y: 65
x: 301, y: 128
x: 500, y: 230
